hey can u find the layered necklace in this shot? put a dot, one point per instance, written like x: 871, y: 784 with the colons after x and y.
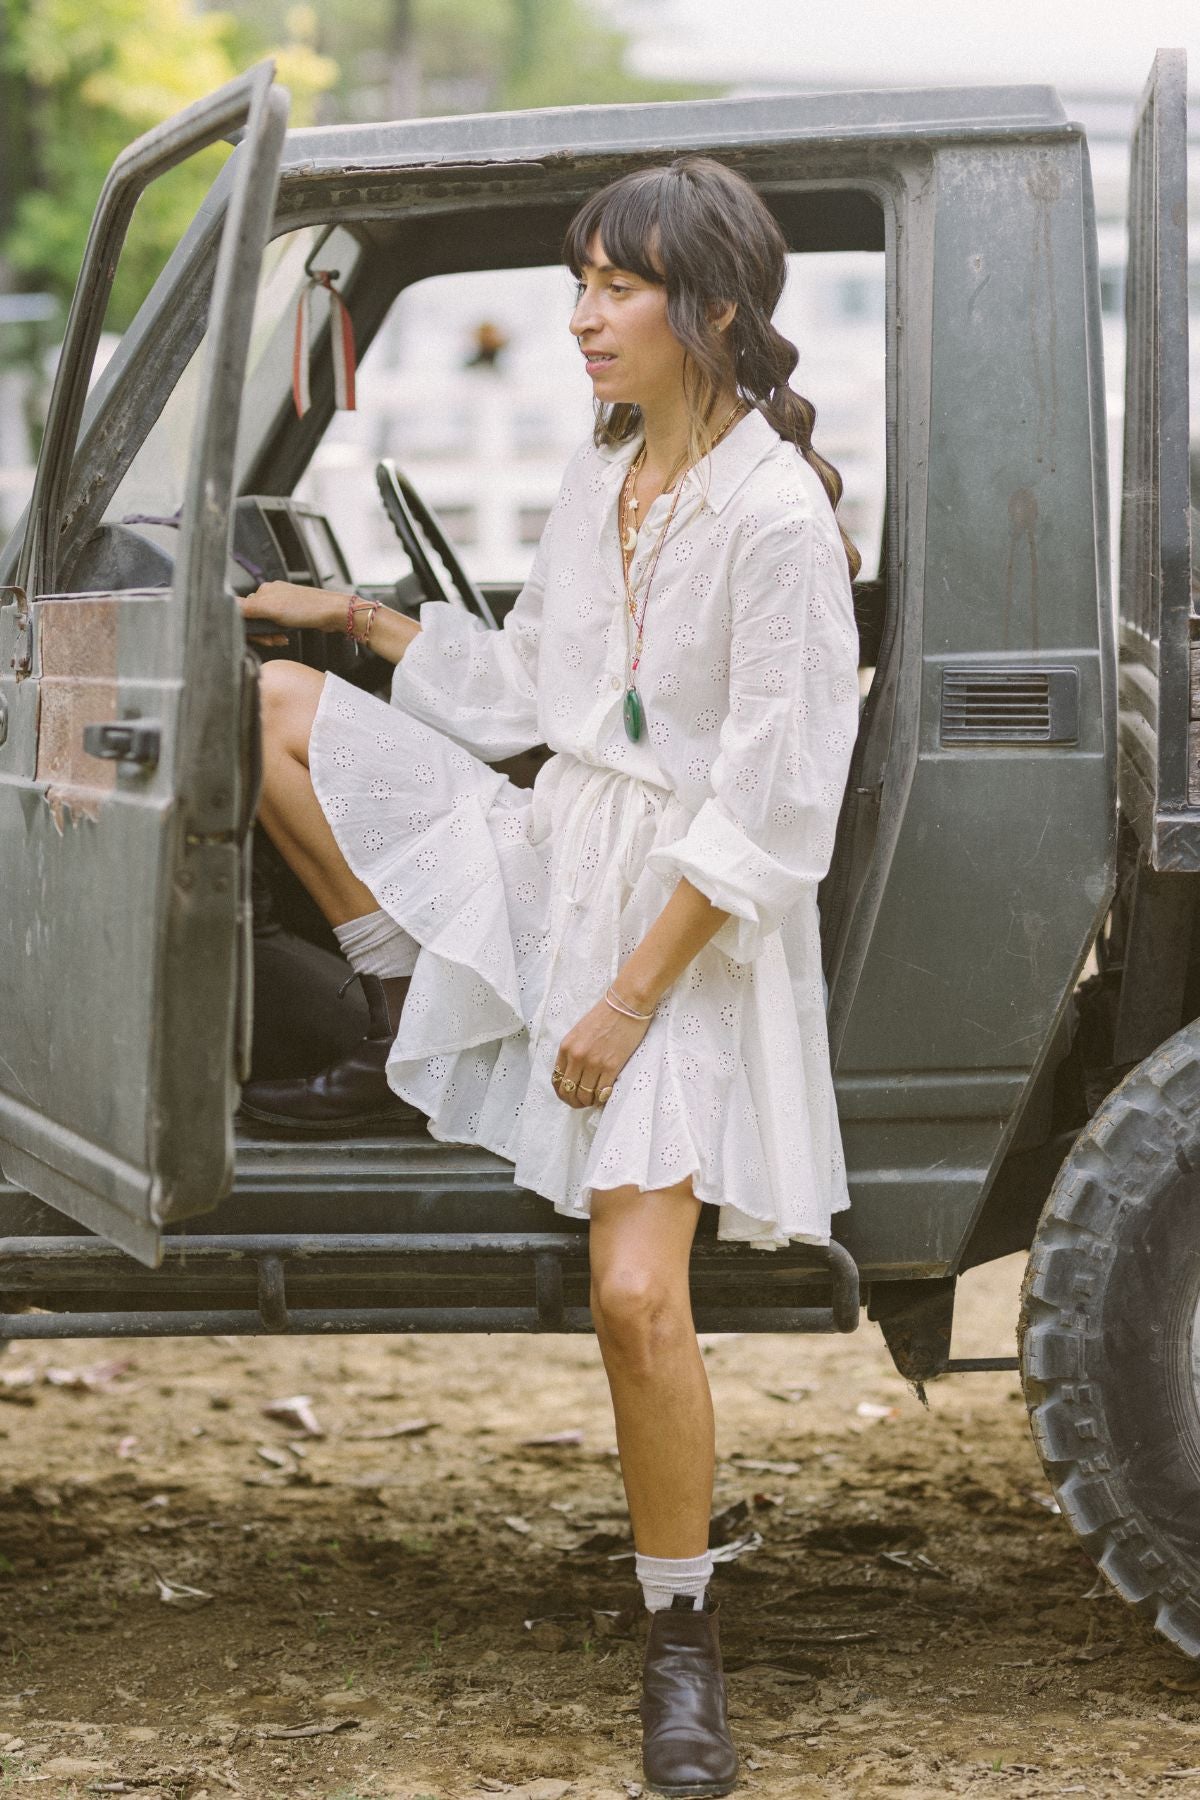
x: 634, y: 711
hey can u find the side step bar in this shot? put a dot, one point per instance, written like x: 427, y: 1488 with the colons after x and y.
x: 80, y: 1267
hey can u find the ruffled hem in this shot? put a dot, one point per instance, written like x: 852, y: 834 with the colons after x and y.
x: 733, y: 1225
x: 657, y: 1140
x: 642, y: 1138
x: 442, y: 879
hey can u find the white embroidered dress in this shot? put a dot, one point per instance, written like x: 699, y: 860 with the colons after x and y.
x: 524, y: 902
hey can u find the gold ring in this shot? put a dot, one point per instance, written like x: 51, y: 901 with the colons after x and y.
x: 567, y: 1087
x: 603, y: 1095
x: 558, y: 1074
x: 586, y: 1090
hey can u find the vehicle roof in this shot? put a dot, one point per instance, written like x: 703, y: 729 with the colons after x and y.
x: 878, y: 115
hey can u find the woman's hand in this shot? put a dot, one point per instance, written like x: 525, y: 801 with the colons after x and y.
x: 594, y: 1052
x: 298, y: 608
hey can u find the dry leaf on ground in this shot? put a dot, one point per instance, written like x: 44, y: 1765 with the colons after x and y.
x: 296, y: 1411
x: 178, y: 1593
x: 321, y: 1728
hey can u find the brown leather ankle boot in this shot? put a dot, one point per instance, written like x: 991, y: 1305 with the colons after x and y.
x: 686, y: 1746
x: 352, y: 1093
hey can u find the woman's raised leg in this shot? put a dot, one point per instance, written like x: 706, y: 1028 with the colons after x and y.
x: 353, y: 1091
x: 290, y: 811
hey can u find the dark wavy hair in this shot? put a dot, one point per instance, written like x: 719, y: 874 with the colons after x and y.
x: 701, y: 231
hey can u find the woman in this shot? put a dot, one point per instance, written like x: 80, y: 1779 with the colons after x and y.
x: 614, y: 979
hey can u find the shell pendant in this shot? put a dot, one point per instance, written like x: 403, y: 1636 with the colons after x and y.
x: 633, y: 714
x: 629, y: 536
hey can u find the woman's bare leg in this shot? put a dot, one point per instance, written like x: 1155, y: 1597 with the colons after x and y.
x: 289, y: 809
x: 639, y: 1246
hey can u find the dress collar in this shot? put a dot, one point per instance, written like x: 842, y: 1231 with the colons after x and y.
x: 717, y: 477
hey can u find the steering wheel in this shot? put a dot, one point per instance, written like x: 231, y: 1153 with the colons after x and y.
x: 416, y: 526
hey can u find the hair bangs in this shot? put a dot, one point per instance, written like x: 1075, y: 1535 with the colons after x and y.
x: 625, y: 217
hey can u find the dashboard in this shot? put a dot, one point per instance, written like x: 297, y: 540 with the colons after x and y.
x: 284, y: 540
x: 273, y: 539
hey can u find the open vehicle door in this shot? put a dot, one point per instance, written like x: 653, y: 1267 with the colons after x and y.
x: 1159, y: 747
x: 126, y: 772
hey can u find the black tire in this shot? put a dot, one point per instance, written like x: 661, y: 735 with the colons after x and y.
x: 1110, y: 1338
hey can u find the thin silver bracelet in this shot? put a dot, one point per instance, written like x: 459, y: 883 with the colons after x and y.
x: 619, y: 1006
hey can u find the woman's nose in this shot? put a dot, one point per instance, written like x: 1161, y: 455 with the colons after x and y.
x: 581, y: 316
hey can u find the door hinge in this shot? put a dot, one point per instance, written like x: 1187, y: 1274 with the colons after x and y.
x: 134, y: 743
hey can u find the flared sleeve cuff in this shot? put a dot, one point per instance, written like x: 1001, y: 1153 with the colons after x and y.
x: 476, y: 685
x: 732, y: 871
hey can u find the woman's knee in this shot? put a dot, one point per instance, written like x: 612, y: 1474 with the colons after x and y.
x: 639, y: 1251
x: 290, y: 694
x: 637, y: 1309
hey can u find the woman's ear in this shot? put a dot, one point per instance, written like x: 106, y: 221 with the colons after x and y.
x: 721, y: 313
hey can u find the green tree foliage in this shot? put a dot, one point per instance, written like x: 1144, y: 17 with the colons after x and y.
x: 85, y: 77
x: 529, y: 53
x: 80, y: 78
x: 397, y: 57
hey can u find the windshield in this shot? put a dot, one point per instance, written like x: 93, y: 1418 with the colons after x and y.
x: 153, y: 483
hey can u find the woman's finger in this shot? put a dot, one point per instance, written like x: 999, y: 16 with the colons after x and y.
x: 565, y: 1079
x: 574, y: 1075
x: 590, y: 1081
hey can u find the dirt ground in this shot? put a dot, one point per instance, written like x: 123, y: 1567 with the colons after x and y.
x: 450, y: 1610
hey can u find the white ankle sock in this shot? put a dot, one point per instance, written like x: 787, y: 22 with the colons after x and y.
x: 664, y: 1576
x: 375, y: 945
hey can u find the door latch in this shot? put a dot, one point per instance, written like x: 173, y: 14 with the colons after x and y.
x: 134, y: 743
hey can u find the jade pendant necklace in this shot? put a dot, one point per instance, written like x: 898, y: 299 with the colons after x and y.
x: 633, y: 710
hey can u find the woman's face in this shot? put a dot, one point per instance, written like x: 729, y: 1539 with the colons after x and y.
x: 620, y: 324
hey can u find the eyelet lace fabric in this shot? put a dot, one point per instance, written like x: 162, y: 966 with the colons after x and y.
x: 525, y: 902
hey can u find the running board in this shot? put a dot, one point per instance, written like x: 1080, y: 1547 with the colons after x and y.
x: 277, y: 1277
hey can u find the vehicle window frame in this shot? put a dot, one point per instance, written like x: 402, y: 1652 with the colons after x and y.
x: 39, y: 548
x: 169, y: 336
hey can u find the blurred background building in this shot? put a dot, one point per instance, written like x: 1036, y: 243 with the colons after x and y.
x: 486, y: 438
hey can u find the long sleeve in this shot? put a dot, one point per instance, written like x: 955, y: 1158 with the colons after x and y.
x: 766, y: 832
x: 478, y: 686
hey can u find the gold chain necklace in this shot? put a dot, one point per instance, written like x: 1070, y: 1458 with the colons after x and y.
x: 634, y: 711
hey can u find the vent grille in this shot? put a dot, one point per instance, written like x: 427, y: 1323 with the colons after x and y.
x: 1010, y: 706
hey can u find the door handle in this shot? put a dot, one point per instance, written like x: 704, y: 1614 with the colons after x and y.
x: 134, y: 743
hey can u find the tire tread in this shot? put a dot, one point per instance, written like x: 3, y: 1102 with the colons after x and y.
x: 1143, y: 1128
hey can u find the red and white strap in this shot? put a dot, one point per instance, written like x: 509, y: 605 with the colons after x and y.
x: 341, y: 337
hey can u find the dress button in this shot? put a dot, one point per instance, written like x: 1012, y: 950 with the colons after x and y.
x: 616, y: 681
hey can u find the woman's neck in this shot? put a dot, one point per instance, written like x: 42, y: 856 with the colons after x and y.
x: 665, y: 425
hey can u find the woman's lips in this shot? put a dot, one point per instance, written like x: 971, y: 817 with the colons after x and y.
x: 593, y: 363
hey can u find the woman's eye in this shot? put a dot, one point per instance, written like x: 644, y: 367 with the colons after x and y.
x: 612, y: 287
